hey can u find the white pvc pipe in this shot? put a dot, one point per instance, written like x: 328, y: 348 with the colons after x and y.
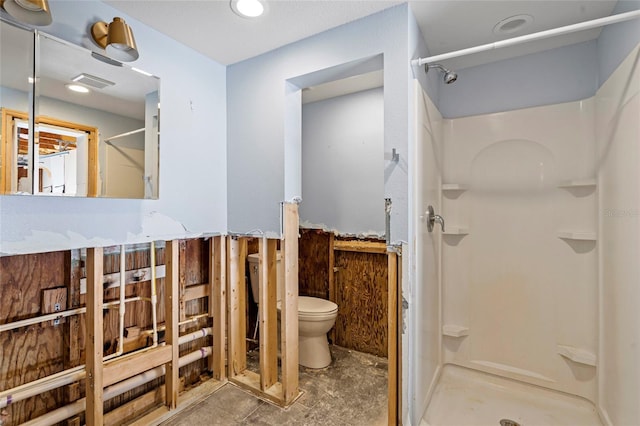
x: 203, y: 332
x: 62, y: 413
x: 15, y: 395
x: 154, y: 296
x: 581, y: 26
x: 41, y: 319
x: 193, y: 318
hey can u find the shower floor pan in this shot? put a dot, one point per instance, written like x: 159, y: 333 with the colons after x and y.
x: 465, y: 397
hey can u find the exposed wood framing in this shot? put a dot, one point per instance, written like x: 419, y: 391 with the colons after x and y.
x: 237, y: 354
x: 132, y: 409
x: 360, y: 246
x: 94, y: 381
x: 217, y: 305
x: 268, y: 314
x: 132, y: 276
x: 393, y: 376
x: 332, y: 280
x: 194, y: 292
x: 119, y: 369
x: 181, y: 281
x: 171, y: 300
x: 289, y: 310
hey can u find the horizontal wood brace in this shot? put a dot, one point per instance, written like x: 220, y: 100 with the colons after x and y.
x: 193, y: 292
x: 123, y: 368
x: 379, y: 247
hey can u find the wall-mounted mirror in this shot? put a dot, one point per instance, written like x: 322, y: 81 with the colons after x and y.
x: 100, y: 142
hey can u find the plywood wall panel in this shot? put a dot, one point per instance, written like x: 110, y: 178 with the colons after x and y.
x: 313, y: 263
x: 362, y: 298
x: 29, y: 353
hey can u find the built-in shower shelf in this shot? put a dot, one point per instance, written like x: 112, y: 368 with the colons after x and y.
x: 581, y: 356
x: 577, y: 235
x: 455, y: 330
x: 578, y: 183
x: 454, y: 187
x: 456, y: 230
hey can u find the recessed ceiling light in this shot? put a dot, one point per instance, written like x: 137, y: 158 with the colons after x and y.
x: 248, y: 8
x: 77, y: 88
x: 512, y: 24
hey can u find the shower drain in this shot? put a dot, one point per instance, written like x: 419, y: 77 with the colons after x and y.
x: 507, y: 422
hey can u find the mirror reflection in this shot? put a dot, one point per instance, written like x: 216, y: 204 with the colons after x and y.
x: 95, y: 127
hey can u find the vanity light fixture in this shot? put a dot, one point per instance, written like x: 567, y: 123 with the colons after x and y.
x: 116, y: 38
x: 33, y: 12
x: 248, y: 8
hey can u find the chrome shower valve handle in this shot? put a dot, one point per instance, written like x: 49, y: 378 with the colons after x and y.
x: 433, y: 218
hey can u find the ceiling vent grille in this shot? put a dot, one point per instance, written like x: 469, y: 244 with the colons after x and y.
x: 92, y: 81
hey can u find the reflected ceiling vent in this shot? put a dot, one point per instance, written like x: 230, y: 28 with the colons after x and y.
x: 92, y: 81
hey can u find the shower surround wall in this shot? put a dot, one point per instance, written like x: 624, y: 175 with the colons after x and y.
x: 529, y: 288
x: 618, y: 149
x: 539, y: 273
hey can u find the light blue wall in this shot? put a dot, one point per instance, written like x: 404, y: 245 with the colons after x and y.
x: 554, y: 76
x: 616, y: 41
x: 343, y: 163
x: 192, y: 154
x: 256, y: 91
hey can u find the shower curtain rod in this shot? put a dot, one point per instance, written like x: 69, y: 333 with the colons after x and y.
x: 121, y: 135
x: 600, y: 22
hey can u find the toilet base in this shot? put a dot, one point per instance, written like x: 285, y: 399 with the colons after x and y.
x: 313, y: 352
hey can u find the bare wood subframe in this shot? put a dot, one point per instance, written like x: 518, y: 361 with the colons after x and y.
x: 94, y: 345
x: 171, y: 303
x: 217, y: 304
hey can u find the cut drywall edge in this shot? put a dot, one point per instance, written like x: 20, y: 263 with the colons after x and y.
x: 337, y: 232
x: 155, y: 227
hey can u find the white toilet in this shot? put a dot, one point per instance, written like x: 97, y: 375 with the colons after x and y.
x: 315, y: 318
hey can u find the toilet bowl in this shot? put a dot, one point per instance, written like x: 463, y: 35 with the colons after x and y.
x: 315, y: 318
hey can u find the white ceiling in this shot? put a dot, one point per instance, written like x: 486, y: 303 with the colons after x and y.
x: 211, y: 27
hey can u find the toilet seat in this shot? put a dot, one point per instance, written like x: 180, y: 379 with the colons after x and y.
x: 314, y: 308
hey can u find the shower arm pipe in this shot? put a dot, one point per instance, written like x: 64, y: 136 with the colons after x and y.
x: 595, y: 23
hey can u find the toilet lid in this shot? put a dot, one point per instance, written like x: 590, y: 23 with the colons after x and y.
x: 313, y: 305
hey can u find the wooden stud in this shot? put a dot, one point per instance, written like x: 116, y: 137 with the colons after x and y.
x: 393, y: 338
x: 171, y: 322
x: 94, y: 381
x: 399, y: 336
x: 217, y: 304
x: 237, y: 302
x: 268, y: 314
x: 182, y: 279
x: 332, y: 280
x: 289, y: 307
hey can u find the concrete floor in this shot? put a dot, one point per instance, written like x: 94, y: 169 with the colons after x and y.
x: 351, y: 391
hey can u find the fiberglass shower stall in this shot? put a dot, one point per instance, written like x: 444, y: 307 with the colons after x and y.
x: 531, y: 296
